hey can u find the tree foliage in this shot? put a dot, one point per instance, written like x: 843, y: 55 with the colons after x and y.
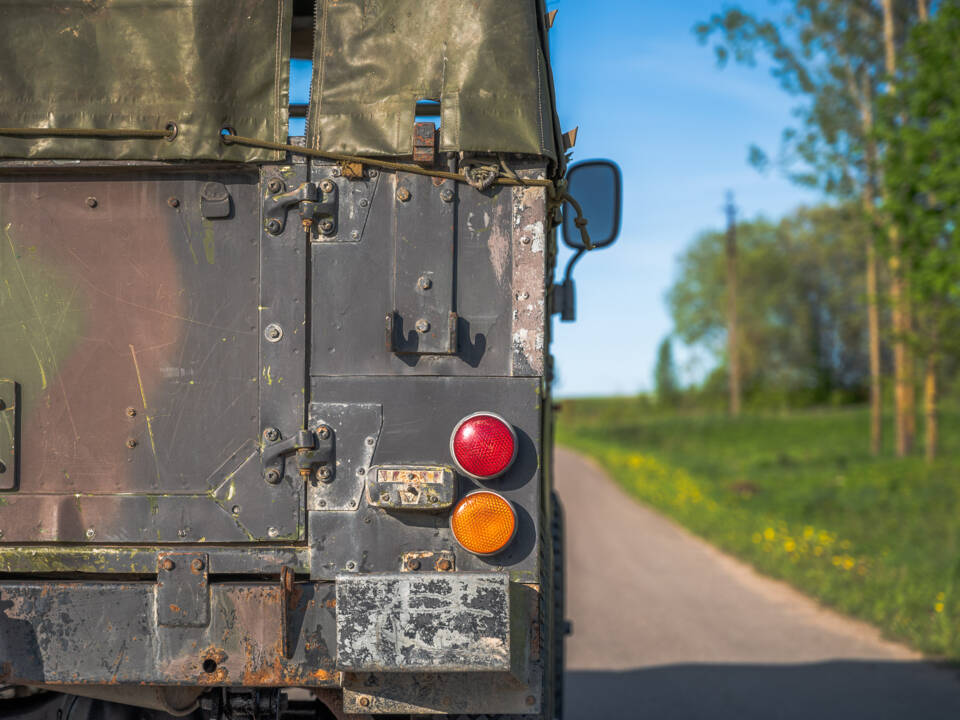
x: 800, y: 305
x: 665, y: 382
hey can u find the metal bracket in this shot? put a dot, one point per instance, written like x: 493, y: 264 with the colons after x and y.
x: 183, y: 591
x: 311, y: 450
x: 357, y: 427
x: 424, y: 317
x: 316, y: 204
x: 214, y: 200
x: 356, y: 188
x: 9, y: 433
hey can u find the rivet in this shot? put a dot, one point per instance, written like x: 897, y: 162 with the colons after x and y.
x: 531, y: 700
x: 167, y: 564
x: 323, y: 503
x: 525, y: 240
x: 354, y: 234
x: 372, y: 173
x: 197, y: 564
x: 173, y: 202
x: 353, y: 503
x: 524, y: 295
x: 385, y: 497
x: 361, y: 471
x: 370, y: 440
x: 365, y: 701
x: 403, y: 194
x: 92, y: 202
x: 271, y: 434
x: 446, y: 195
x: 272, y: 532
x: 413, y: 564
x: 273, y: 332
x: 275, y: 185
x: 424, y: 283
x: 131, y: 412
x: 131, y: 443
x: 274, y: 227
x: 235, y: 510
x: 444, y: 565
x: 434, y: 499
x: 364, y: 202
x: 422, y: 326
x: 351, y: 565
x: 90, y: 533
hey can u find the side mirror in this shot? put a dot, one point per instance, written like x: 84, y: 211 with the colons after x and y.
x: 596, y: 186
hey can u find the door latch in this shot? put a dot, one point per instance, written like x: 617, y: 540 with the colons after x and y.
x: 311, y: 451
x: 317, y: 204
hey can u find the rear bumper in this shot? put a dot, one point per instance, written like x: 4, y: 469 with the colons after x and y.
x: 396, y: 640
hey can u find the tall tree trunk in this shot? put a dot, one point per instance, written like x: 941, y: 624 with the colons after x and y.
x: 873, y: 327
x: 733, y: 341
x: 923, y: 10
x: 930, y: 396
x: 903, y: 385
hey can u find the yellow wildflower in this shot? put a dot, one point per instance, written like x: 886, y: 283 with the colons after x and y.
x: 769, y: 534
x: 938, y: 607
x: 789, y: 546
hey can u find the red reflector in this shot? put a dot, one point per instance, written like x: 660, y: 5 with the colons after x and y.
x: 483, y: 445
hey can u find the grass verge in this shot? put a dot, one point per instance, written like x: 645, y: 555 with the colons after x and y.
x: 799, y: 497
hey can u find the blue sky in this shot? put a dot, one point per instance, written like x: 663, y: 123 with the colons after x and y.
x: 631, y: 74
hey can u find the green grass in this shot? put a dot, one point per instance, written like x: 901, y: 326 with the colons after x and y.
x: 800, y: 497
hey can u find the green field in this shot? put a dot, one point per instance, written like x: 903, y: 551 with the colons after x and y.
x: 799, y: 496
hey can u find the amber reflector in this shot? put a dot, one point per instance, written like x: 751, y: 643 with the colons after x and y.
x: 484, y: 522
x: 484, y: 445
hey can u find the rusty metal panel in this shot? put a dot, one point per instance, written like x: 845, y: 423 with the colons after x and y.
x: 499, y: 253
x: 97, y: 633
x: 403, y: 622
x: 131, y: 324
x: 183, y: 589
x: 411, y: 487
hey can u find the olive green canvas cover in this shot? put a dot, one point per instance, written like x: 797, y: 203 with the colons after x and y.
x: 484, y: 60
x: 140, y: 64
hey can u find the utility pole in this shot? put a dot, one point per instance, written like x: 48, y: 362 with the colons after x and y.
x: 733, y: 346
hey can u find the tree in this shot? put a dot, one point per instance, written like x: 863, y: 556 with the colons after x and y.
x: 920, y: 129
x: 665, y: 382
x: 832, y: 54
x: 799, y: 308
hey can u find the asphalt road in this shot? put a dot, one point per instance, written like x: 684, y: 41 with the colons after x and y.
x: 667, y: 627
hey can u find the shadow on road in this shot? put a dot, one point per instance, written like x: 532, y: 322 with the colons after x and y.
x: 841, y: 690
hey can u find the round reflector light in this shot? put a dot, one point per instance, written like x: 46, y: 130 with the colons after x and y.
x: 484, y: 522
x: 483, y: 445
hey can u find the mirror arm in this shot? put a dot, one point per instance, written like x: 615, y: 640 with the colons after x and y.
x: 564, y: 296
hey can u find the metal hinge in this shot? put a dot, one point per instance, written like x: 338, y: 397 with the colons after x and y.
x: 311, y: 450
x: 317, y: 204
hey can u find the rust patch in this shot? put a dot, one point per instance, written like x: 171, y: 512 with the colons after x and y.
x: 528, y: 283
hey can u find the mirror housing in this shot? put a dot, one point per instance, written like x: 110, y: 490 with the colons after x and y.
x: 595, y: 187
x: 594, y: 190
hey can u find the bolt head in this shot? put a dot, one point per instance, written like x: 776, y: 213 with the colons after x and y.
x: 197, y: 564
x: 444, y: 565
x: 324, y: 473
x: 271, y: 434
x: 424, y: 283
x: 364, y: 202
x: 365, y: 701
x: 235, y: 510
x: 446, y: 195
x: 422, y: 326
x: 525, y: 240
x: 372, y: 173
x: 326, y: 186
x: 173, y: 202
x: 326, y: 226
x: 531, y: 700
x: 413, y: 564
x: 370, y: 441
x: 131, y: 443
x: 272, y: 532
x: 275, y: 185
x: 272, y: 476
x: 274, y: 227
x: 354, y: 235
x: 351, y: 565
x: 90, y: 533
x: 92, y: 202
x: 168, y: 564
x: 131, y: 411
x: 403, y: 194
x: 385, y: 497
x: 323, y: 432
x: 273, y: 332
